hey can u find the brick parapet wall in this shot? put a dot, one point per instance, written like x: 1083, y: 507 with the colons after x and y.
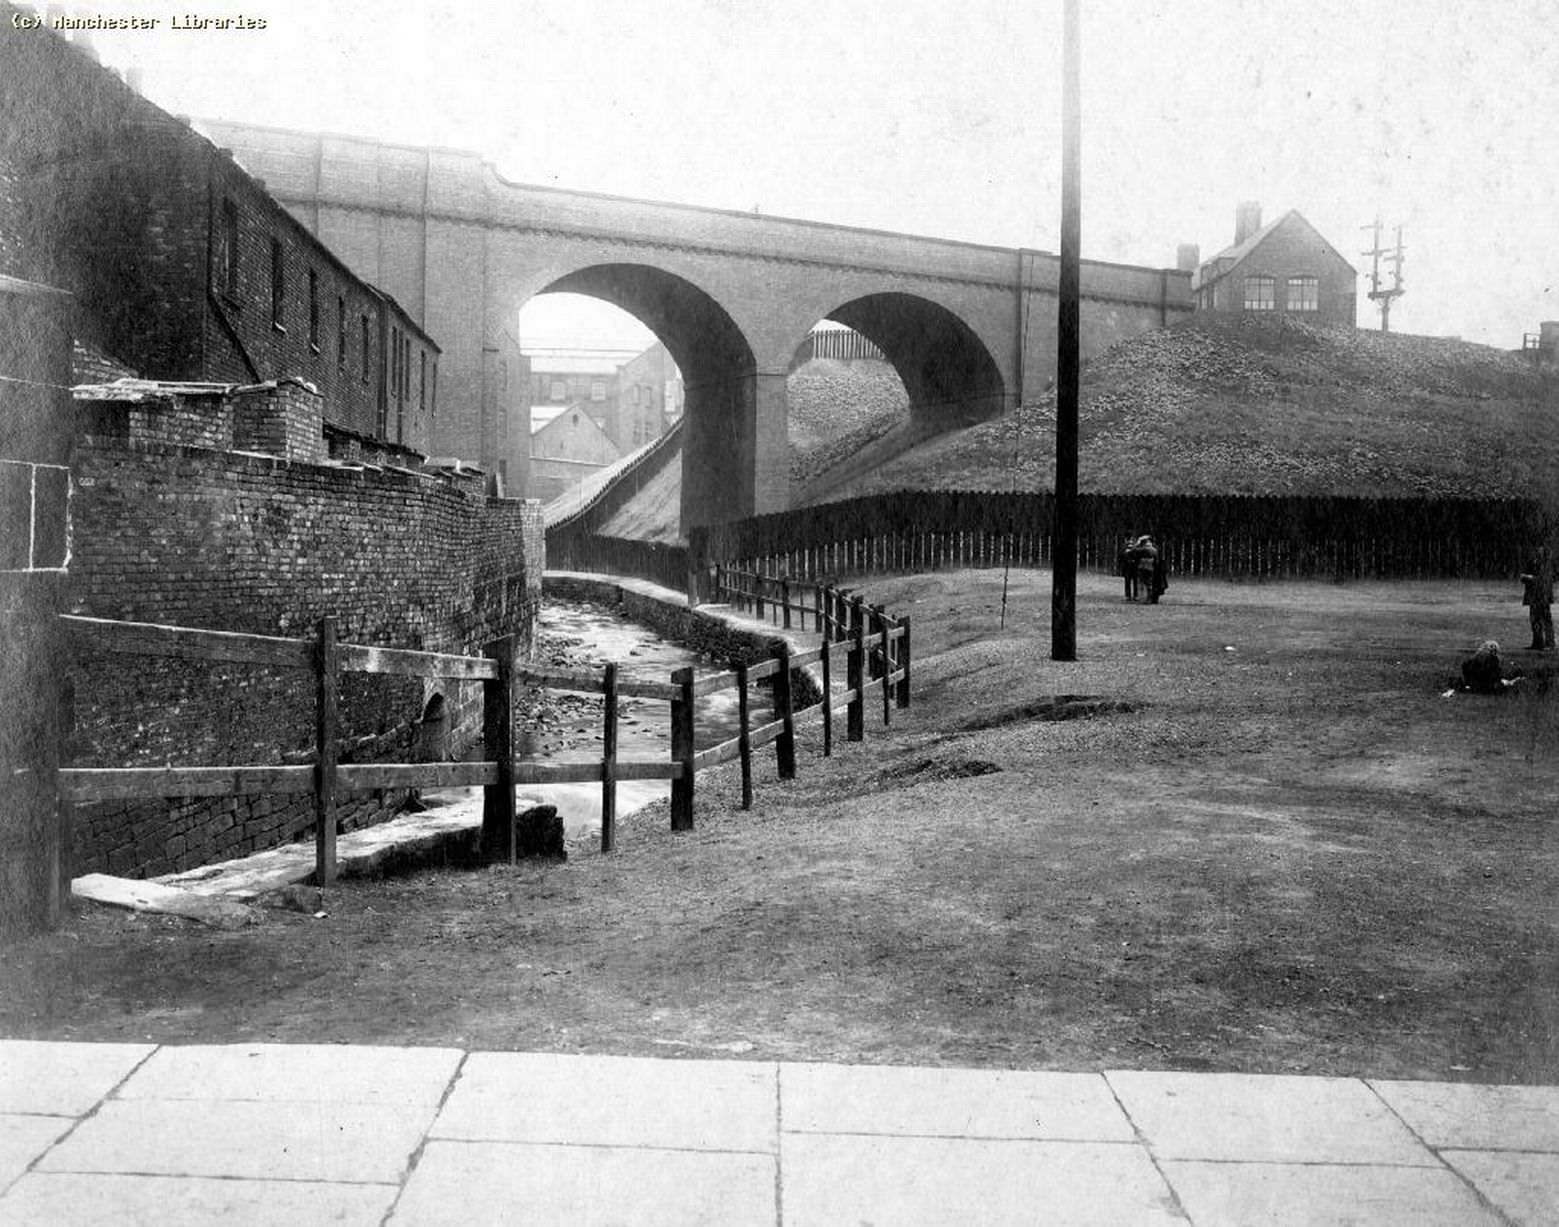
x: 194, y: 536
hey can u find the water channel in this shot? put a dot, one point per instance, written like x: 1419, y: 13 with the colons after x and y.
x: 559, y: 726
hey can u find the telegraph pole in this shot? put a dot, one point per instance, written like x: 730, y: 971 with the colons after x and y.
x: 1394, y: 259
x: 1063, y: 584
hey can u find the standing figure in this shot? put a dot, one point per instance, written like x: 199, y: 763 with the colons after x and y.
x: 1537, y: 594
x: 1149, y: 567
x: 1126, y: 567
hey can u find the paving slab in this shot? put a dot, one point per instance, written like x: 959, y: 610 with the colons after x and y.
x: 62, y: 1079
x: 281, y: 1140
x: 906, y: 1100
x: 1320, y: 1195
x: 1525, y: 1187
x: 613, y: 1101
x: 68, y: 1200
x: 829, y: 1179
x: 337, y: 1073
x: 138, y: 895
x: 1265, y: 1118
x: 467, y: 1183
x: 1474, y: 1117
x: 23, y: 1139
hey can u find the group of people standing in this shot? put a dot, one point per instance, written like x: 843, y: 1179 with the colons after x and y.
x: 1143, y: 566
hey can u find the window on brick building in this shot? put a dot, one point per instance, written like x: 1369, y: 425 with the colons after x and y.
x: 363, y: 320
x: 341, y: 332
x: 433, y: 393
x: 278, y: 282
x: 406, y: 365
x: 633, y: 394
x: 395, y: 363
x: 314, y: 309
x: 422, y: 379
x: 558, y: 391
x: 225, y: 271
x: 1303, y: 294
x: 1260, y: 293
x: 598, y: 389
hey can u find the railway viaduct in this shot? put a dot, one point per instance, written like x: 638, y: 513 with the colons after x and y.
x: 969, y: 328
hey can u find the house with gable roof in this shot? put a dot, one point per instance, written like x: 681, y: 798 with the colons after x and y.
x: 1286, y: 267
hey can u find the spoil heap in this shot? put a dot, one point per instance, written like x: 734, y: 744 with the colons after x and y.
x: 1245, y: 405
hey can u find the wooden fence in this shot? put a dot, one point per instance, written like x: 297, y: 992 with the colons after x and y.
x: 875, y: 649
x: 1226, y: 536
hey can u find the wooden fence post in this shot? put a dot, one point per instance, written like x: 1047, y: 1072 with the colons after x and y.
x: 757, y: 588
x: 828, y: 701
x: 682, y: 750
x: 609, y: 757
x: 744, y: 733
x: 327, y: 668
x: 881, y: 615
x: 784, y: 709
x: 904, y: 662
x: 855, y: 678
x: 785, y: 601
x: 498, y: 747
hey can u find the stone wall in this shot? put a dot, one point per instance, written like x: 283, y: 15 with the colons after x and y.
x: 179, y: 534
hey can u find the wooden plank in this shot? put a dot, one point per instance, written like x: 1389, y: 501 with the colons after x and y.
x: 361, y: 777
x: 715, y: 755
x: 327, y: 688
x: 682, y: 752
x: 648, y: 769
x: 744, y: 734
x: 85, y: 784
x: 784, y: 709
x: 764, y: 668
x: 152, y: 639
x: 608, y: 756
x: 498, y: 747
x: 403, y: 662
x: 712, y: 682
x: 765, y: 733
x: 825, y: 702
x: 802, y: 659
x: 646, y: 689
x: 558, y: 679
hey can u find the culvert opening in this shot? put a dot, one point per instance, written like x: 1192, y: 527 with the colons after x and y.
x: 1049, y: 708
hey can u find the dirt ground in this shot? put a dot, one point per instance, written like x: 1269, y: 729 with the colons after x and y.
x: 1262, y: 839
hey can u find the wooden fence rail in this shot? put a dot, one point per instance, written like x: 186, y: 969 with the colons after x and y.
x: 842, y: 620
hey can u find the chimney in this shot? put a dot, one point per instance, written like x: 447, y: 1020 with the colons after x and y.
x: 1247, y: 220
x: 1188, y: 257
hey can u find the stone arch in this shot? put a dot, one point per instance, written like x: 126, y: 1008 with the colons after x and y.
x: 729, y: 464
x: 947, y: 370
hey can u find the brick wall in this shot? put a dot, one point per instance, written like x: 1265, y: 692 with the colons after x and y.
x: 194, y: 536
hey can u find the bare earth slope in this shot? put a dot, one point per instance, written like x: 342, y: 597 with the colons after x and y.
x: 1252, y: 406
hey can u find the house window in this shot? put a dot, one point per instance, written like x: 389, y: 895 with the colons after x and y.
x: 395, y: 363
x: 226, y: 271
x: 433, y: 393
x: 559, y: 390
x: 363, y: 321
x: 635, y: 394
x: 598, y: 389
x: 1304, y: 294
x: 341, y: 333
x: 422, y: 379
x: 314, y: 310
x: 278, y: 281
x: 1260, y: 293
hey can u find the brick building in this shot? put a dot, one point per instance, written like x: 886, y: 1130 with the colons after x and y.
x: 649, y: 399
x: 1285, y: 267
x: 184, y: 267
x: 567, y: 446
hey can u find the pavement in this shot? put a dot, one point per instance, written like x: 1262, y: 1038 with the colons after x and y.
x: 288, y: 1134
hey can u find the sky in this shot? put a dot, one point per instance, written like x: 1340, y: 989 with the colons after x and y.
x: 942, y: 117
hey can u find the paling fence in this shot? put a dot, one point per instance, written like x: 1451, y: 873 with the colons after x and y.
x: 1261, y: 537
x: 870, y: 647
